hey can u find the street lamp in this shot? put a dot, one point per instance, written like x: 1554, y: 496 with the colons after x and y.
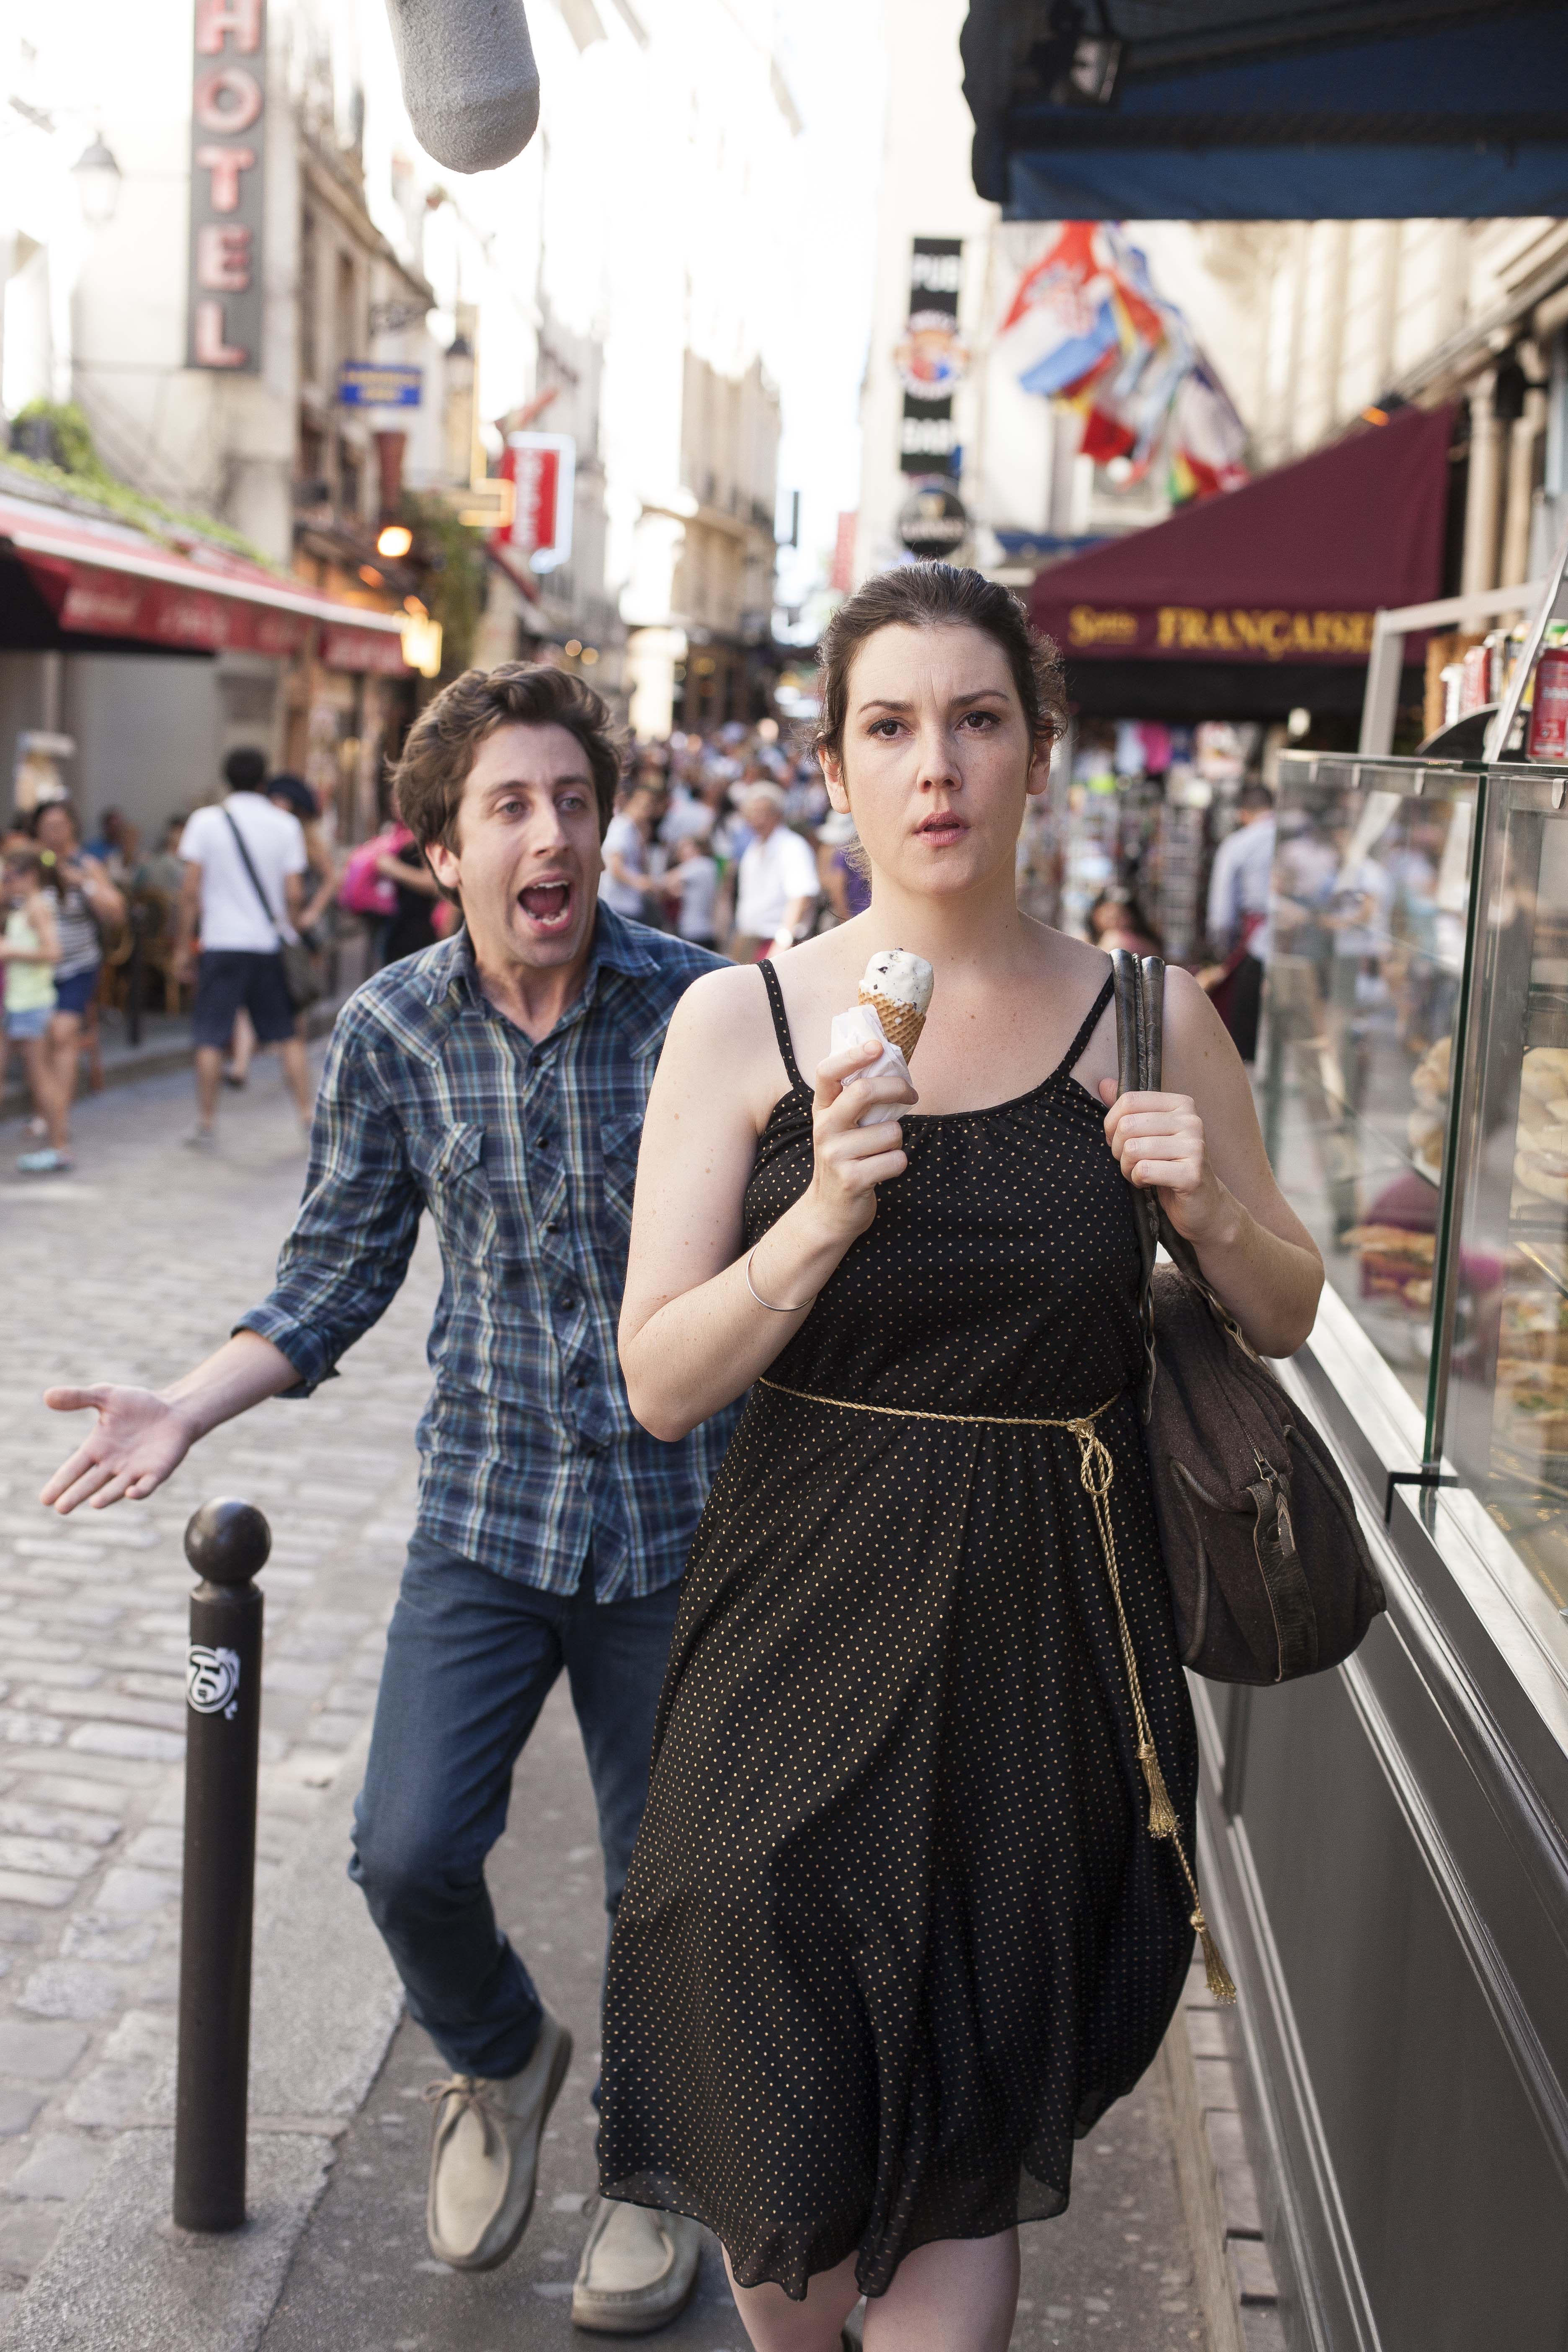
x: 460, y: 363
x: 463, y: 461
x: 97, y: 177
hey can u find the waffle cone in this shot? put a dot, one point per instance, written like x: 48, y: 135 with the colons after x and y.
x: 902, y: 1025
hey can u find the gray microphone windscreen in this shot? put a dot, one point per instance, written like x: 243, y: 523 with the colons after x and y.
x: 469, y: 81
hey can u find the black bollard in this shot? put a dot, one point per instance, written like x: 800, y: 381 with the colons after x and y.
x: 226, y: 1543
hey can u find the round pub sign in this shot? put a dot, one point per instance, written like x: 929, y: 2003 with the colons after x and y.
x: 932, y: 521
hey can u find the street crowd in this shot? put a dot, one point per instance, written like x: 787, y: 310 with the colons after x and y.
x: 729, y: 840
x: 726, y: 840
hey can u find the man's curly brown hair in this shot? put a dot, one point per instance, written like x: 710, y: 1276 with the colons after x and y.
x: 427, y: 782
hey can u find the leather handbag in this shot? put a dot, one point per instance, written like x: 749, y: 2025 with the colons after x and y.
x: 1270, y: 1575
x: 298, y: 969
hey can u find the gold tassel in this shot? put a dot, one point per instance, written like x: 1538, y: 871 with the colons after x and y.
x: 1162, y: 1822
x: 1215, y: 1970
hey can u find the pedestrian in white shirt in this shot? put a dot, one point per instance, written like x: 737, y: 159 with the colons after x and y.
x: 243, y: 859
x: 627, y: 883
x: 687, y: 818
x: 779, y: 884
x: 693, y: 883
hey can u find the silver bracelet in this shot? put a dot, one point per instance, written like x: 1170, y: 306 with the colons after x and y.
x: 768, y: 1303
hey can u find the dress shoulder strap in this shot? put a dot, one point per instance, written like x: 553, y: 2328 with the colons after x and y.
x: 1091, y: 1023
x: 780, y: 1023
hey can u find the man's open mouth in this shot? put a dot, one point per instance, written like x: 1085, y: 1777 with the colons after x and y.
x: 547, y: 904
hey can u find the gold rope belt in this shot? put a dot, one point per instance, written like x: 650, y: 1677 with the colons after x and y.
x: 1096, y: 1470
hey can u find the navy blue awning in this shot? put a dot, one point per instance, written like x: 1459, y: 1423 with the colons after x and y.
x: 1245, y: 110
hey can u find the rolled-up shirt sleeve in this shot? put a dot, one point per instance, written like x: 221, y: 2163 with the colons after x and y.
x: 345, y: 1258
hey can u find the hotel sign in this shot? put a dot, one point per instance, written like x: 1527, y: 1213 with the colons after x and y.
x: 229, y: 110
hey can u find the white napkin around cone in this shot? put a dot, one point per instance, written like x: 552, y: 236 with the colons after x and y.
x: 860, y: 1026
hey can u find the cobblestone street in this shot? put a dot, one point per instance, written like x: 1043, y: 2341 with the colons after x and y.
x: 130, y: 1270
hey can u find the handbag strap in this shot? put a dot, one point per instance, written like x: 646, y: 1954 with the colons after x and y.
x: 1140, y: 990
x: 227, y: 815
x: 1139, y: 1061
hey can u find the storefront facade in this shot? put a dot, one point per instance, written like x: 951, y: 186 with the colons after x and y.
x: 156, y: 659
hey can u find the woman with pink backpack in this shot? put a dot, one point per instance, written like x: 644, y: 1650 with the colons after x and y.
x: 387, y: 881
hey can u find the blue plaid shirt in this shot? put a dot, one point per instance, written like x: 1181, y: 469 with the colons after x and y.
x: 525, y: 1156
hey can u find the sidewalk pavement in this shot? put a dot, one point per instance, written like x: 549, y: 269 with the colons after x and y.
x: 164, y: 1047
x: 130, y: 1270
x: 165, y: 1044
x: 1116, y: 2270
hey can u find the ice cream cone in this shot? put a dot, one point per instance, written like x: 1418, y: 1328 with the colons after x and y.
x: 902, y: 1025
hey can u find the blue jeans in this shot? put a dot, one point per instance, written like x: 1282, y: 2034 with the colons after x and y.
x: 470, y: 1657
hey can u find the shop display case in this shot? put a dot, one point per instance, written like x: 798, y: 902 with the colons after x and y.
x: 1372, y: 871
x: 1386, y: 1844
x: 1498, y: 1411
x: 1414, y: 1101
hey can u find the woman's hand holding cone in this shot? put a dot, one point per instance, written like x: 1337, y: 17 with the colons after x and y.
x: 852, y: 1161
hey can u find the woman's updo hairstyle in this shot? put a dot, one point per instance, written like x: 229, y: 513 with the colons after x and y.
x: 938, y: 596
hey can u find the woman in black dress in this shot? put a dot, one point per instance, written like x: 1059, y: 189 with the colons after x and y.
x: 897, y: 1929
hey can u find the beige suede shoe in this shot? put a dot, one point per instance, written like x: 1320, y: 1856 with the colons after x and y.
x: 484, y: 2154
x: 637, y: 2270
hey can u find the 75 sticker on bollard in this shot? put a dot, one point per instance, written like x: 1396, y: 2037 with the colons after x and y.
x: 212, y: 1680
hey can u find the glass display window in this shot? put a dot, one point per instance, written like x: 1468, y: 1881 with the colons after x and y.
x: 1501, y: 1400
x: 1365, y: 958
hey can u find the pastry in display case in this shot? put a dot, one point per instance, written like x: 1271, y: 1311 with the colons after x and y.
x: 1540, y: 1155
x: 1427, y: 1124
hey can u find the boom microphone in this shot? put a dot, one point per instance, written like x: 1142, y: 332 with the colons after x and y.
x: 469, y: 81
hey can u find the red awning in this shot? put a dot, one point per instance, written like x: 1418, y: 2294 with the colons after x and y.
x: 1282, y: 575
x: 359, y: 649
x: 104, y: 579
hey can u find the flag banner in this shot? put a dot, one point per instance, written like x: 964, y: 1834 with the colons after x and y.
x: 1088, y: 330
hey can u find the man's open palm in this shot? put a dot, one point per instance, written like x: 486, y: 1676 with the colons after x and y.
x: 138, y: 1439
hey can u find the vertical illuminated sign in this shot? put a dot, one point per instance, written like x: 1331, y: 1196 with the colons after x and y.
x: 544, y: 467
x: 931, y: 359
x: 228, y: 107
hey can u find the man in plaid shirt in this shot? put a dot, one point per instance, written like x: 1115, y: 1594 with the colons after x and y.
x: 498, y: 1080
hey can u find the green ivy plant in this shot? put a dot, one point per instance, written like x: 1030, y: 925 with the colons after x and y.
x: 78, y: 469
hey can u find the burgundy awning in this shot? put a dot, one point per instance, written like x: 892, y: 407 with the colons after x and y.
x: 360, y: 649
x: 108, y: 582
x: 1263, y: 597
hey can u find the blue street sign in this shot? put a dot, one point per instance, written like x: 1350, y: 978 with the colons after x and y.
x: 365, y: 383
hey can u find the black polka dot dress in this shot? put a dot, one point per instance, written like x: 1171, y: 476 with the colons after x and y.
x: 895, y: 1930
